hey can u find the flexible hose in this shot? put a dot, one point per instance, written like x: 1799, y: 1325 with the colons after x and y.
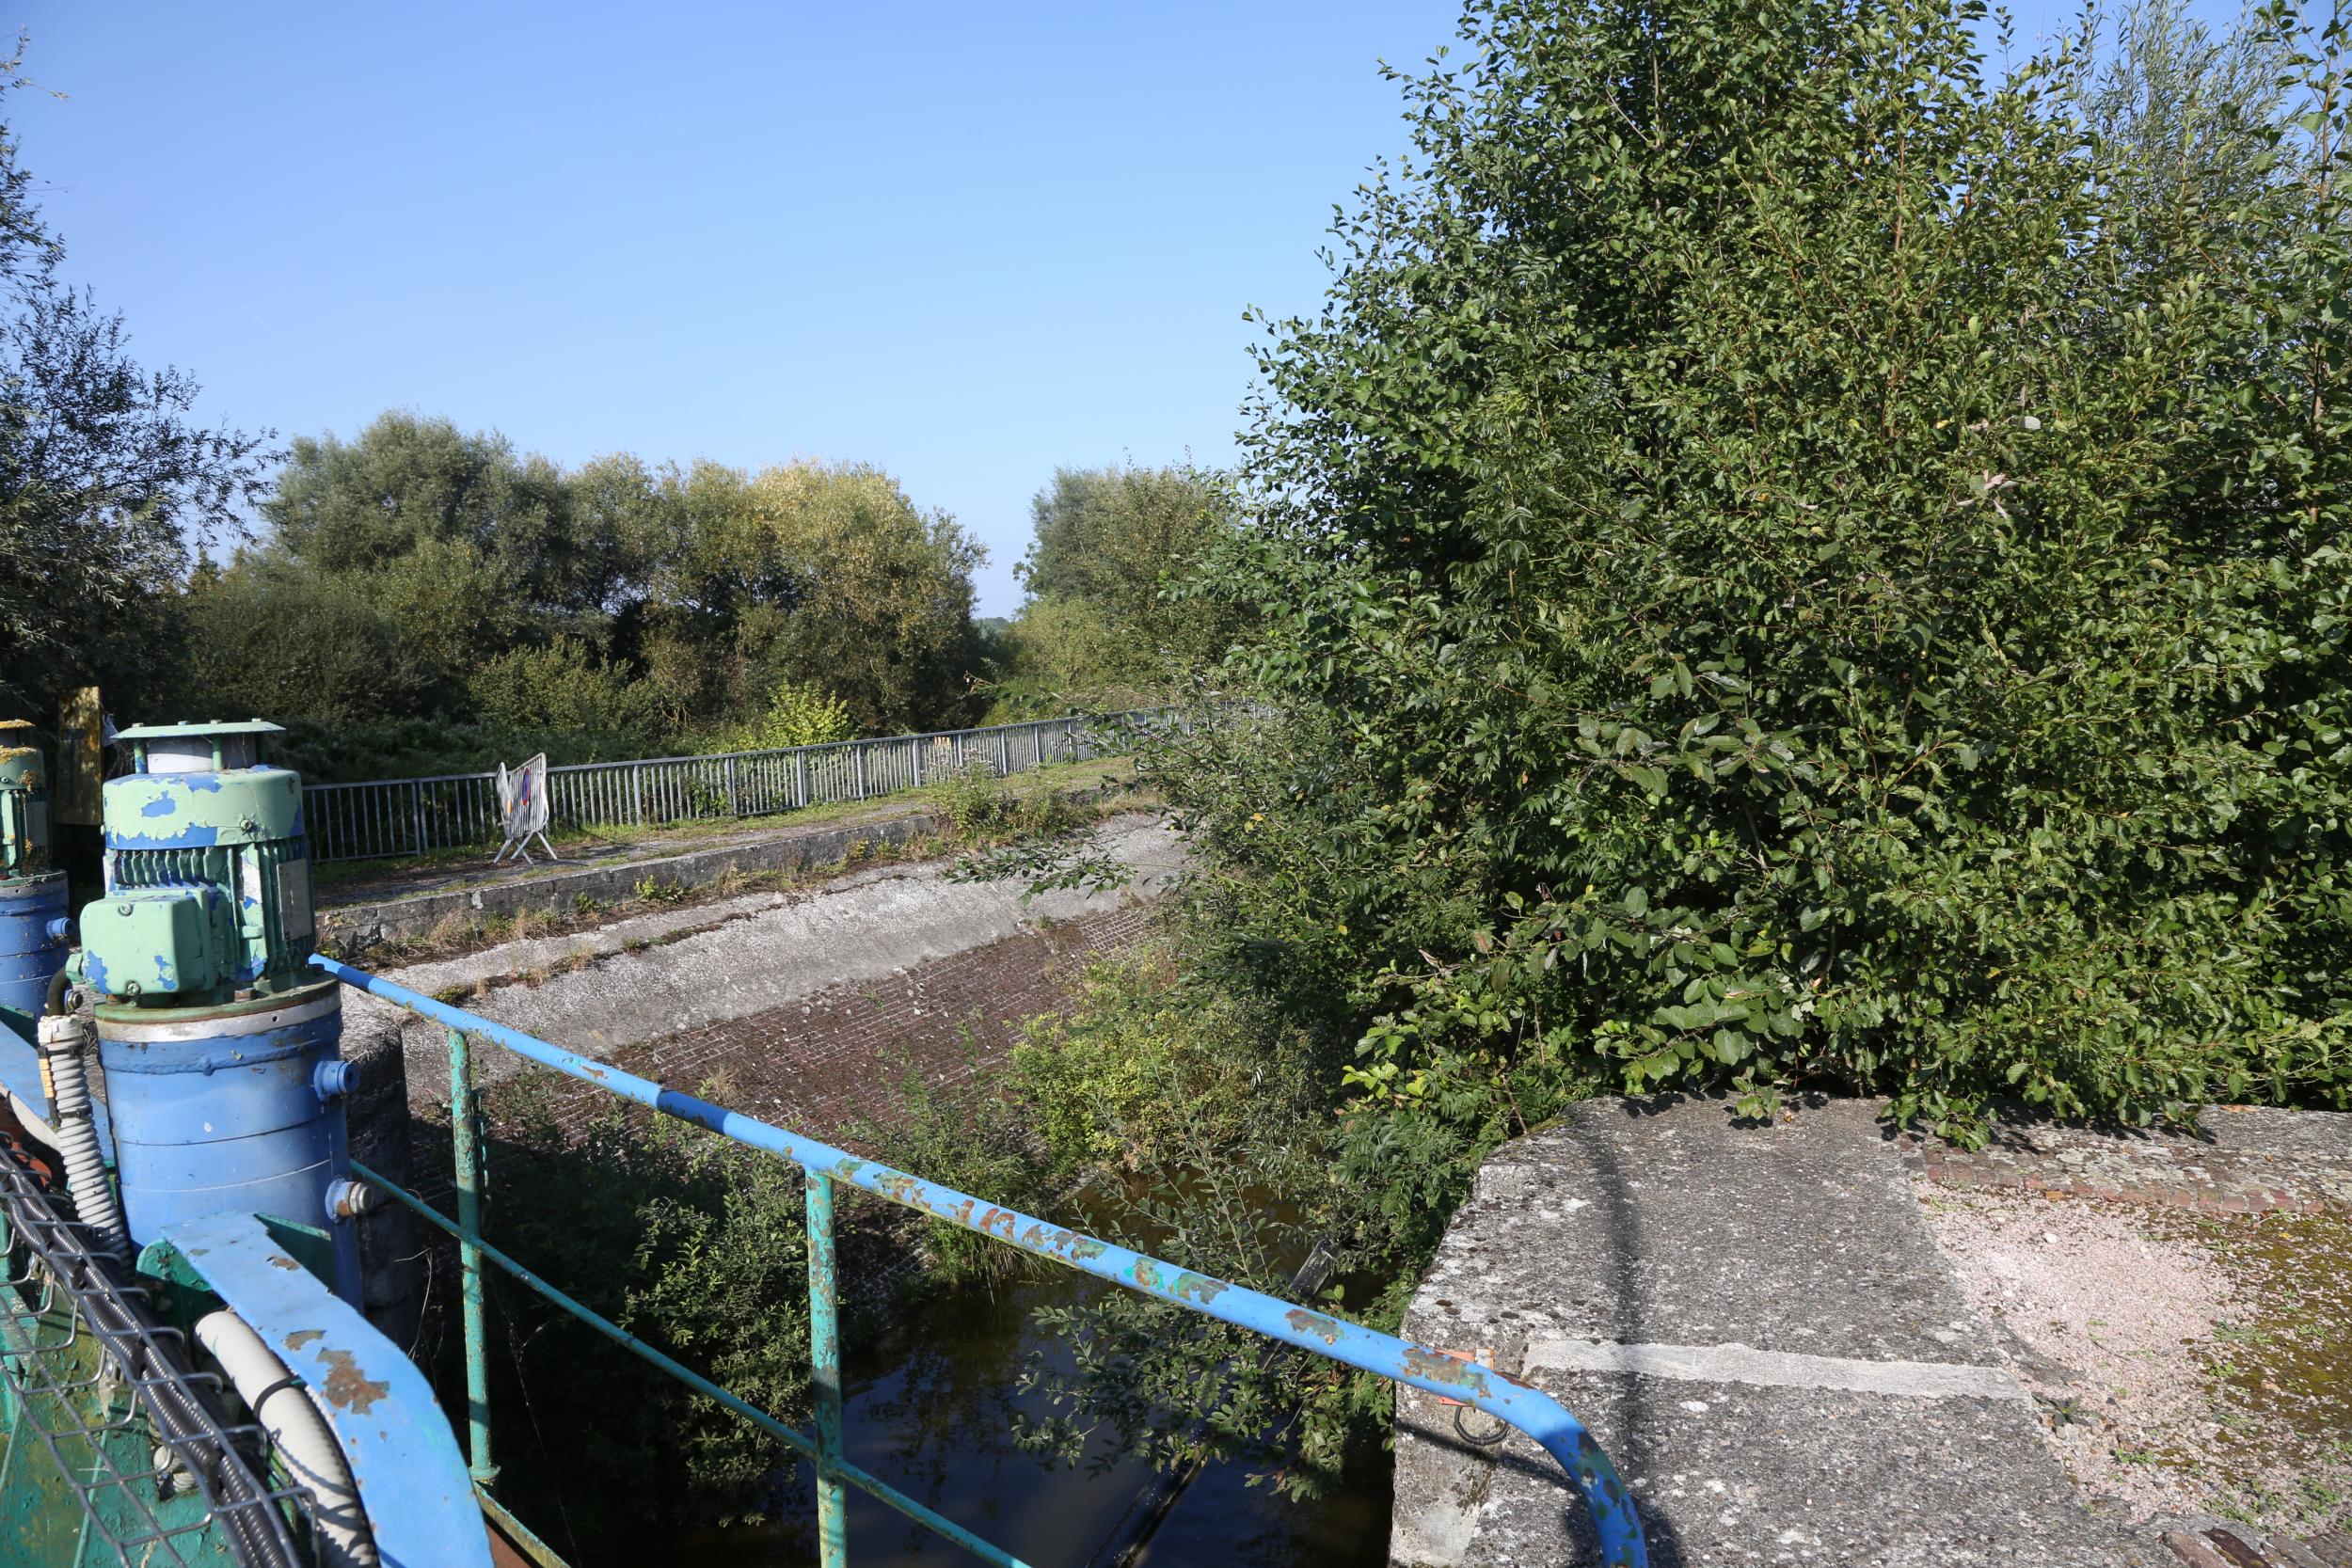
x: 299, y: 1431
x: 76, y: 1129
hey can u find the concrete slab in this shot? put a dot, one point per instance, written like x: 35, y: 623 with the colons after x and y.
x: 1758, y: 1327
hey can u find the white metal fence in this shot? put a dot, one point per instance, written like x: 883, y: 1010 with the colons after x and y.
x: 384, y: 817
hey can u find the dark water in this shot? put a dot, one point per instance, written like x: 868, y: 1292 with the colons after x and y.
x: 928, y: 1409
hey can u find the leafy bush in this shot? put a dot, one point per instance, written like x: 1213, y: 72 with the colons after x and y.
x: 972, y: 797
x: 1198, y: 1127
x: 1790, y: 559
x: 565, y: 686
x: 798, y: 714
x: 1089, y: 1079
x: 267, y: 640
x: 696, y: 1245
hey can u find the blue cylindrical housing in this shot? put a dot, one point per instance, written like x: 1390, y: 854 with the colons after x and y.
x: 30, y: 908
x: 233, y: 1109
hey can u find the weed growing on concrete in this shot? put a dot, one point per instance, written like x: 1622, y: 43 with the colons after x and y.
x: 653, y: 890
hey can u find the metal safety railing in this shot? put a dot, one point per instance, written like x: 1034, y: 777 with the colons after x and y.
x: 1528, y: 1409
x: 378, y: 818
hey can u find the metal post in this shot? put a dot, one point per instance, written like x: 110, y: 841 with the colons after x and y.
x: 799, y: 777
x: 857, y: 766
x: 734, y: 807
x: 465, y: 1134
x: 416, y: 813
x: 824, y: 1355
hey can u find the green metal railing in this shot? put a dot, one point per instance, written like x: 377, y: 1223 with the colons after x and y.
x: 1506, y: 1399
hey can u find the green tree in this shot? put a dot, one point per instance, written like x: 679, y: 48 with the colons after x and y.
x: 1790, y: 559
x: 566, y: 686
x: 104, y: 479
x: 469, y: 548
x: 796, y: 715
x: 1784, y: 558
x: 267, y: 637
x: 823, y: 575
x: 1109, y: 545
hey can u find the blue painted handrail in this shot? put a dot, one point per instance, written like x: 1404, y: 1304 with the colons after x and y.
x: 1508, y: 1400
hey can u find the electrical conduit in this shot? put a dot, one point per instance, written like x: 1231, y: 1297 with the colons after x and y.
x: 66, y: 1077
x: 304, y: 1445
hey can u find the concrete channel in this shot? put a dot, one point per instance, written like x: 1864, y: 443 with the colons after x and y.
x: 665, y: 972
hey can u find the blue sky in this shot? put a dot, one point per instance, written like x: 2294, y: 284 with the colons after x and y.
x: 967, y: 243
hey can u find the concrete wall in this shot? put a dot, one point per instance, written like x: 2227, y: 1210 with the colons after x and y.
x: 376, y: 1116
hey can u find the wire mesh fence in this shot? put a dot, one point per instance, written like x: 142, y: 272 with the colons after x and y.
x: 381, y: 819
x: 150, y: 1469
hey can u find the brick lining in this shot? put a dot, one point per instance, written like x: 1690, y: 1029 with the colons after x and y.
x: 838, y: 1057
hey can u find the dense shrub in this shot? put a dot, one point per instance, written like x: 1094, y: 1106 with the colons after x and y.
x: 798, y: 714
x: 1101, y: 630
x: 1791, y: 561
x: 268, y: 639
x: 694, y: 1244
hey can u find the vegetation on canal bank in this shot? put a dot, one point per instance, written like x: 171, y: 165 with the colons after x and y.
x: 1786, y: 558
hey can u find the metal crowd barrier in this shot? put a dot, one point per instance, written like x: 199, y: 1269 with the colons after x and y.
x: 1526, y: 1408
x: 383, y: 818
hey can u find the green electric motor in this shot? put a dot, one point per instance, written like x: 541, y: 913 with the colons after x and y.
x: 208, y: 871
x: 24, y: 802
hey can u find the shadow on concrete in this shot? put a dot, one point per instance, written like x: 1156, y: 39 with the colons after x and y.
x: 1628, y: 1325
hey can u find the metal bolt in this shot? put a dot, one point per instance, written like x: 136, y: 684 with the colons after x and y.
x: 348, y: 1199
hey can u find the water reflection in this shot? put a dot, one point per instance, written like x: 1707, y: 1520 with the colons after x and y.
x: 931, y: 1406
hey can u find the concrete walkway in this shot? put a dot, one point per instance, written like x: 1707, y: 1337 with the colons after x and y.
x: 1758, y: 1327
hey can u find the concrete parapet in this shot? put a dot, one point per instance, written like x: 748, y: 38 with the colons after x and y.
x: 1754, y: 1324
